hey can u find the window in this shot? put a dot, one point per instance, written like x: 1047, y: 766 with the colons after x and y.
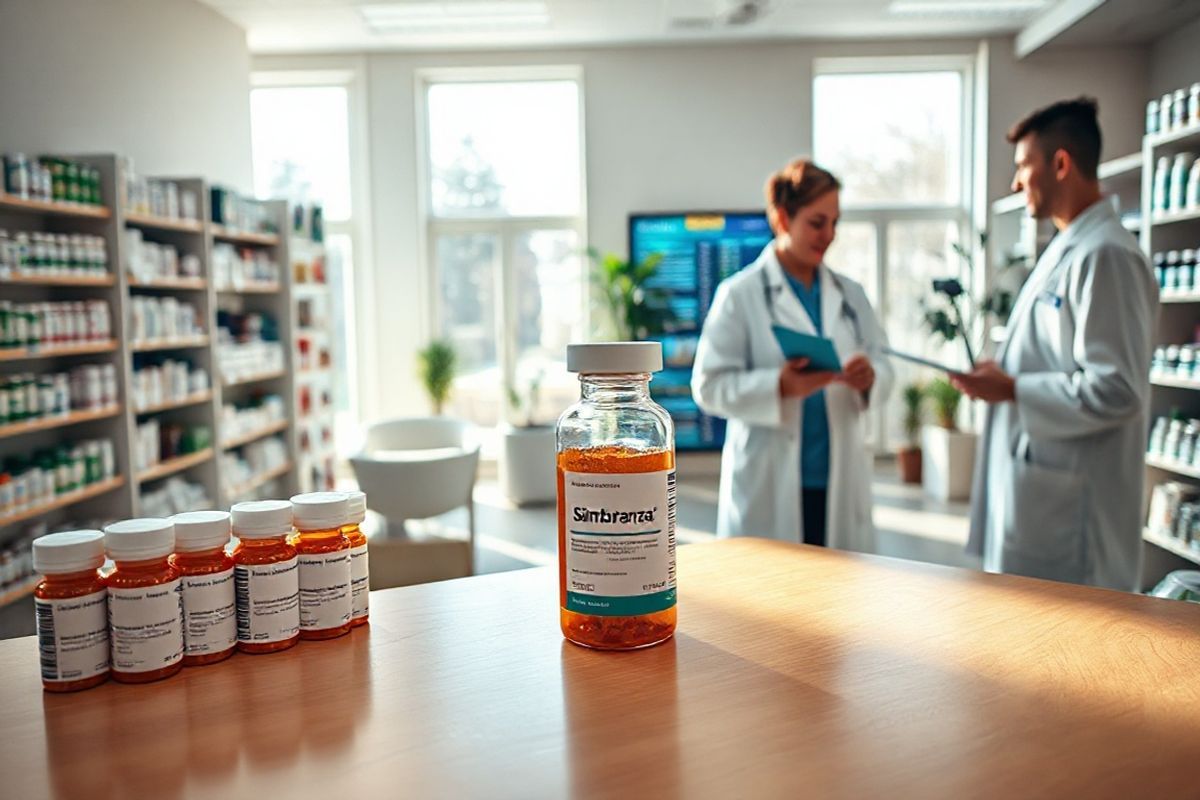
x: 505, y: 236
x: 300, y: 131
x: 897, y: 132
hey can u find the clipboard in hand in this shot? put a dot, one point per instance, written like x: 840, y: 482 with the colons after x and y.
x: 925, y: 362
x: 819, y: 351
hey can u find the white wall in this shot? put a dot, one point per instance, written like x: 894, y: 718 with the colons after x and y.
x: 1175, y: 60
x: 671, y: 128
x: 164, y: 81
x: 1115, y: 76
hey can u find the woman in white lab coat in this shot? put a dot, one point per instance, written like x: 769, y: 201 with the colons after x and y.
x: 795, y: 465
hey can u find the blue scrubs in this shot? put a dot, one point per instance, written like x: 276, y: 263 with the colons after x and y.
x: 814, y: 432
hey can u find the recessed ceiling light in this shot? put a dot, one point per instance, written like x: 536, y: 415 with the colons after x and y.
x: 950, y: 8
x: 455, y: 15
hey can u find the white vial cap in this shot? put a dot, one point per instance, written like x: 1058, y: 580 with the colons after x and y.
x: 358, y: 507
x: 262, y: 519
x: 69, y: 551
x: 319, y: 511
x: 140, y: 539
x: 614, y: 358
x: 200, y: 530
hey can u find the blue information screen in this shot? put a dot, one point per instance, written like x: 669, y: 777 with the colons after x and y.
x: 699, y: 249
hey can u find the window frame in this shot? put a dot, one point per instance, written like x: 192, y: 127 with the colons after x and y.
x: 883, y: 215
x: 507, y: 228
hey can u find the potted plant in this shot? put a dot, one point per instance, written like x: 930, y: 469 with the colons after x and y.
x: 947, y: 454
x: 527, y: 461
x: 437, y: 366
x: 909, y: 456
x: 636, y: 311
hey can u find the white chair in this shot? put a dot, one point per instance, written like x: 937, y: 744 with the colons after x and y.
x: 413, y: 468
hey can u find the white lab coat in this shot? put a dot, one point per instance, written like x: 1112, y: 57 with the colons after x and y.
x: 1058, y: 479
x: 736, y: 376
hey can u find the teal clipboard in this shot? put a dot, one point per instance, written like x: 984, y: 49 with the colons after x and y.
x: 819, y: 351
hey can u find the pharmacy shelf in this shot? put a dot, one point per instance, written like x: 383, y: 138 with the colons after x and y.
x: 1173, y: 466
x: 1172, y: 545
x: 49, y: 423
x: 23, y: 353
x: 1190, y: 297
x: 1174, y: 217
x: 190, y: 400
x: 185, y: 343
x: 310, y: 289
x: 255, y: 378
x: 106, y: 279
x: 16, y: 204
x: 1120, y: 167
x: 251, y: 288
x: 64, y: 500
x: 19, y: 592
x: 154, y: 223
x: 261, y: 433
x: 223, y: 234
x: 1182, y: 136
x: 1176, y: 383
x: 196, y: 284
x: 174, y: 465
x: 259, y: 480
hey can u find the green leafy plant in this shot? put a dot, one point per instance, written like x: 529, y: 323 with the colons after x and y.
x: 914, y: 397
x: 525, y: 405
x: 438, y: 364
x: 636, y: 310
x: 945, y: 399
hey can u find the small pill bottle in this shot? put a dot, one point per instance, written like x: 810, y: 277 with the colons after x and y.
x: 266, y: 581
x: 71, y: 604
x: 145, y: 601
x: 616, y: 502
x: 360, y: 572
x: 326, y: 605
x: 209, y: 606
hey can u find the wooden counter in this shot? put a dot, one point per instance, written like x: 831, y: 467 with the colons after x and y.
x: 796, y: 672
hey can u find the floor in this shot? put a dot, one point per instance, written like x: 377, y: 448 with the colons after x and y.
x: 910, y: 526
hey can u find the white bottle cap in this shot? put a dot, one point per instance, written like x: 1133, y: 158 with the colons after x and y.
x: 357, y: 502
x: 614, y: 358
x: 140, y: 539
x: 200, y: 530
x: 69, y: 551
x: 262, y: 519
x: 320, y: 511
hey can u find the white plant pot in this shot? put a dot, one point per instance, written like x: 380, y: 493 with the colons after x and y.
x: 948, y: 462
x: 527, y: 465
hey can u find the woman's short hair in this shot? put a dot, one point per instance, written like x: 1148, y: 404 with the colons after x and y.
x: 797, y: 185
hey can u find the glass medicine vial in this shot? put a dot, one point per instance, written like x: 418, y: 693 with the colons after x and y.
x: 325, y: 602
x: 616, y: 501
x: 360, y: 573
x: 71, y: 604
x: 265, y: 577
x: 209, y: 608
x: 145, y: 601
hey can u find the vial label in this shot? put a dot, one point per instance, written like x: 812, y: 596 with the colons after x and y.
x: 268, y: 601
x: 147, y: 626
x: 360, y: 583
x: 73, y: 636
x: 209, y: 613
x: 620, y: 542
x: 325, y: 600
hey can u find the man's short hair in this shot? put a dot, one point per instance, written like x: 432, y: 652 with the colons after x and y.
x: 1066, y: 125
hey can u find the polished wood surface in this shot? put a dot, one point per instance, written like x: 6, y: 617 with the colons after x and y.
x: 795, y: 672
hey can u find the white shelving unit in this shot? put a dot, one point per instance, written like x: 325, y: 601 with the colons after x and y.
x: 1178, y: 317
x: 121, y: 496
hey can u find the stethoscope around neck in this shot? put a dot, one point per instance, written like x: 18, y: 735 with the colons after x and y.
x: 771, y: 294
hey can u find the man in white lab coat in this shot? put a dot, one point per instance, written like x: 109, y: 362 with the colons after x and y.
x: 1058, y: 482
